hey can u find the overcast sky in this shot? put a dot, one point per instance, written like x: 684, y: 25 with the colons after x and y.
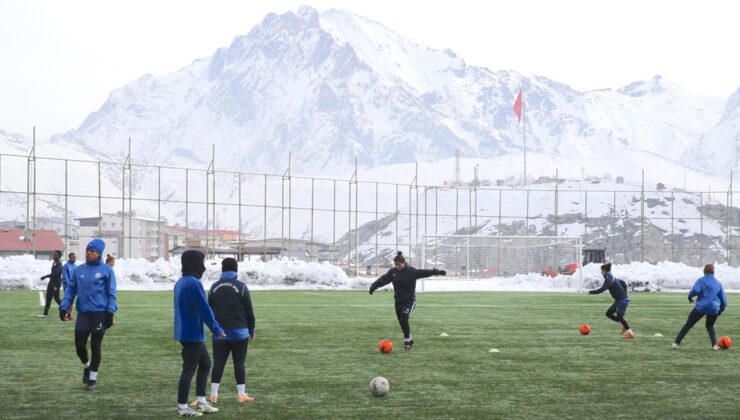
x: 59, y: 60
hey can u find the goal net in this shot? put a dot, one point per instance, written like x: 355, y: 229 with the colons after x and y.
x: 502, y: 256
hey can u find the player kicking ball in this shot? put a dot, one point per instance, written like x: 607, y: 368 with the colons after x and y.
x: 618, y: 289
x: 403, y: 276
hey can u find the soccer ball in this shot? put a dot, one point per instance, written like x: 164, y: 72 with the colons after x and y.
x: 379, y: 386
x: 585, y: 329
x: 724, y: 342
x: 385, y: 346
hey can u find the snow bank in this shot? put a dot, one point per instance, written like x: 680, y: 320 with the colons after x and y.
x: 23, y: 272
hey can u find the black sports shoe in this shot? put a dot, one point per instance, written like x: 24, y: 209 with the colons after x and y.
x: 85, y: 375
x: 91, y: 384
x: 408, y: 345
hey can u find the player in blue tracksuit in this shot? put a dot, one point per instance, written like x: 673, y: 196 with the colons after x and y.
x: 618, y: 289
x: 94, y: 286
x: 403, y: 277
x: 711, y: 301
x: 191, y: 312
x: 67, y: 270
x: 229, y: 298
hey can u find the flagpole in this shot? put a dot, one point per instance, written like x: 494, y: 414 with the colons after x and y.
x: 524, y: 137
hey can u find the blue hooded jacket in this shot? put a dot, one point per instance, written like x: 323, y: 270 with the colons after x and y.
x: 94, y: 285
x: 191, y: 304
x: 712, y: 297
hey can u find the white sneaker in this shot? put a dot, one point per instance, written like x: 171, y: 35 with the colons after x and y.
x: 715, y: 347
x: 204, y: 408
x: 675, y: 346
x: 188, y: 412
x: 42, y: 316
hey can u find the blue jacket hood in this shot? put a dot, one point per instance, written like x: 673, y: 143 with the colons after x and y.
x: 193, y: 263
x: 229, y: 275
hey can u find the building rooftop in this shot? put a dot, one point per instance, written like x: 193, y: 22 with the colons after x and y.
x: 12, y: 239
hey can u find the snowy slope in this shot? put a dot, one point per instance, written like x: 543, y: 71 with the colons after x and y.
x: 718, y: 152
x: 82, y: 179
x: 332, y: 86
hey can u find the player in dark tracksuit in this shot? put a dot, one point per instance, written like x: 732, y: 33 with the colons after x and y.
x: 232, y: 306
x: 618, y: 289
x: 403, y: 277
x: 55, y: 283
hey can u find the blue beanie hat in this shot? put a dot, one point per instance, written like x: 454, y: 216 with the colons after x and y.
x: 96, y: 245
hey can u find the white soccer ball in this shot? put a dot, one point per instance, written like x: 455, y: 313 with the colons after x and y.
x: 379, y: 386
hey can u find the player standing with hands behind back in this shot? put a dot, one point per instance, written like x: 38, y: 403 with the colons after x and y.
x: 404, y: 276
x: 232, y: 306
x: 191, y: 312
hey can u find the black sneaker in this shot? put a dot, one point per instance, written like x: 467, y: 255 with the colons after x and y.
x: 85, y: 375
x: 91, y: 384
x: 408, y: 345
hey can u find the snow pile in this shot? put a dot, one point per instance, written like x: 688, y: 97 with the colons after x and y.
x: 23, y: 272
x: 664, y: 275
x: 297, y: 274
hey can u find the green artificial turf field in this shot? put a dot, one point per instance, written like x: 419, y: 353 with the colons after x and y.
x: 315, y: 353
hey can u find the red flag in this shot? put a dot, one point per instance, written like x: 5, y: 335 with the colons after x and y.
x: 518, y: 106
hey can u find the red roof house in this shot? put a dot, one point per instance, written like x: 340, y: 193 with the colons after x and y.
x: 13, y: 242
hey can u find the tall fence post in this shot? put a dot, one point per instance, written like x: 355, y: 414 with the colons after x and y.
x: 557, y: 199
x: 642, y: 218
x: 161, y: 253
x: 701, y: 228
x: 100, y: 205
x: 240, y: 254
x: 31, y: 195
x: 398, y: 216
x: 264, y: 224
x: 314, y: 256
x: 334, y: 220
x: 187, y: 207
x: 673, y: 237
x: 376, y: 229
x: 66, y: 208
x: 729, y: 223
x: 211, y: 202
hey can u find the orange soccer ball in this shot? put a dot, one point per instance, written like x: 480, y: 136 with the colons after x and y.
x: 585, y: 329
x: 385, y: 346
x: 724, y: 342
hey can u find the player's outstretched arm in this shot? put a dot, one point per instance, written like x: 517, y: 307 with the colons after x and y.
x: 382, y: 281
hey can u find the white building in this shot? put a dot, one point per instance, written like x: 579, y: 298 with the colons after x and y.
x: 71, y: 239
x: 125, y: 236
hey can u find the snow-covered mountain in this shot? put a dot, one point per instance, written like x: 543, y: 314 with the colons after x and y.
x: 331, y: 86
x: 81, y: 179
x: 718, y: 152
